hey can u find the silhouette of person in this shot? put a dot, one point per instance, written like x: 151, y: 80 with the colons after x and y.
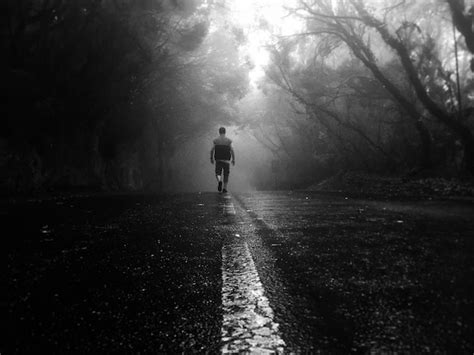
x: 223, y: 153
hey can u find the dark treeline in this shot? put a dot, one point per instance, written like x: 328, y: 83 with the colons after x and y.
x: 101, y: 93
x: 104, y: 94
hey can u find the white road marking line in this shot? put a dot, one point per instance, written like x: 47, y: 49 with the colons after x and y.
x: 227, y: 206
x: 248, y: 324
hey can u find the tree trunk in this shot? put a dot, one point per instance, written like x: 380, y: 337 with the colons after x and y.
x: 425, y: 139
x: 468, y: 143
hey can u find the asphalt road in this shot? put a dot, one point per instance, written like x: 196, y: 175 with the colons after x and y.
x: 259, y: 272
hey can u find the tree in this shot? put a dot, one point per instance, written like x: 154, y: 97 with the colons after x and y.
x: 88, y: 68
x: 463, y: 20
x: 360, y: 30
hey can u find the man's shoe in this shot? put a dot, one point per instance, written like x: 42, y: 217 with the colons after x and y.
x: 224, y: 191
x: 219, y: 186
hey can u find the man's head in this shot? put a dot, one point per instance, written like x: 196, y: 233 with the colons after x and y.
x: 222, y: 130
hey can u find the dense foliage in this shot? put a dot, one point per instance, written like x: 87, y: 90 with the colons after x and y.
x: 386, y: 86
x: 120, y: 94
x: 101, y: 93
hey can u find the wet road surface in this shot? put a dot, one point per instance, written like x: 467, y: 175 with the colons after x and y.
x: 261, y: 272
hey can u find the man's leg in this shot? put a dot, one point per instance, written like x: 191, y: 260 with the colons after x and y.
x: 226, y: 169
x: 219, y: 176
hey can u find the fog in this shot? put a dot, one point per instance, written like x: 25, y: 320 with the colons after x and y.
x: 306, y: 89
x: 194, y: 172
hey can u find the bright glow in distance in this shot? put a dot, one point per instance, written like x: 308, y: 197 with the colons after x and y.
x: 261, y: 21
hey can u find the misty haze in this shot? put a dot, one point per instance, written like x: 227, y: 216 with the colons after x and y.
x: 237, y: 176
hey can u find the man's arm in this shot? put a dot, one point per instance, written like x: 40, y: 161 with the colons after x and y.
x: 212, y: 153
x: 232, y: 155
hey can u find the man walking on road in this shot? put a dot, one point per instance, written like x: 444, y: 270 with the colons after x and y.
x: 222, y: 153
